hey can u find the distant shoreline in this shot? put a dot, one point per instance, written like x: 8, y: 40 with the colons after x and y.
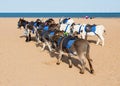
x: 74, y: 15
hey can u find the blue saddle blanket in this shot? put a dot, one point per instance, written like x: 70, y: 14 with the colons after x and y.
x: 65, y: 21
x: 92, y: 29
x: 52, y: 33
x: 59, y: 40
x: 35, y: 24
x: 70, y: 43
x: 46, y: 28
x: 67, y: 42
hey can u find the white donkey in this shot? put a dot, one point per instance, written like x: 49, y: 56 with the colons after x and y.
x: 66, y: 21
x: 85, y: 30
x: 92, y: 30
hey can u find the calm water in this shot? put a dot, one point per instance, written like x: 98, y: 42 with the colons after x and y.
x: 59, y: 14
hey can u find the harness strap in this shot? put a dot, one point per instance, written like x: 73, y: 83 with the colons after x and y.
x: 59, y: 40
x: 66, y: 27
x: 92, y: 29
x: 85, y: 28
x: 79, y: 29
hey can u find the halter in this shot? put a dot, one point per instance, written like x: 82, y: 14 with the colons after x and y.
x: 79, y: 29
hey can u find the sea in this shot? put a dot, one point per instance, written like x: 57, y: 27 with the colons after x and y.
x: 76, y: 15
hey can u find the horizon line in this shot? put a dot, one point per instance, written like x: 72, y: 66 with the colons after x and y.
x: 59, y: 12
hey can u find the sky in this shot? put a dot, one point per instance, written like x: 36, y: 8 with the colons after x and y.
x: 59, y: 5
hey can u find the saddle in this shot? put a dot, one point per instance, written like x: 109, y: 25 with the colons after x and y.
x: 90, y: 28
x: 65, y: 21
x: 68, y: 42
x: 47, y: 35
x: 45, y: 28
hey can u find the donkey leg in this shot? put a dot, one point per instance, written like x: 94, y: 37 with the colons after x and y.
x: 70, y: 60
x: 29, y: 37
x: 98, y: 41
x: 90, y: 64
x: 50, y: 49
x: 59, y: 57
x: 25, y: 32
x: 83, y: 66
x: 81, y: 58
x: 26, y: 39
x: 37, y: 39
x: 43, y: 47
x: 44, y: 43
x: 69, y: 57
x: 37, y: 36
x: 102, y: 40
x: 83, y: 35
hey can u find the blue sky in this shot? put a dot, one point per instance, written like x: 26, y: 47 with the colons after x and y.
x: 60, y: 6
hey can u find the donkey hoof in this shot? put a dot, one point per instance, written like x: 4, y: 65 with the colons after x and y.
x: 92, y: 71
x: 37, y: 45
x: 42, y: 49
x: 26, y: 40
x: 70, y: 66
x: 91, y: 60
x: 58, y: 63
x: 81, y: 72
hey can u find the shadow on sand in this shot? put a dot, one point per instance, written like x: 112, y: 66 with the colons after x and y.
x: 65, y: 59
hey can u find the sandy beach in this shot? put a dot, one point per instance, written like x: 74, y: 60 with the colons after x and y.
x: 24, y: 64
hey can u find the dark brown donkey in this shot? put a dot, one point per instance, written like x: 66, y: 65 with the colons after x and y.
x: 22, y: 23
x: 79, y: 47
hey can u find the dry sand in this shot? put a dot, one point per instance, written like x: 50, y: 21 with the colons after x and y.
x: 24, y: 64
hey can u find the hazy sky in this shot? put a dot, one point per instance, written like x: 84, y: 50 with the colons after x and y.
x: 59, y: 5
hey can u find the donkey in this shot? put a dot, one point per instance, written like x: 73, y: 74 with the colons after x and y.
x: 73, y: 46
x: 23, y: 23
x: 85, y: 30
x: 29, y: 27
x: 45, y: 33
x: 47, y: 37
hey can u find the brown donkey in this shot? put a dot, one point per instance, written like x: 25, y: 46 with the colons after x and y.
x: 79, y: 47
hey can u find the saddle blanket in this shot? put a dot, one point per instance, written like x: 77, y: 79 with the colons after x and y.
x: 46, y: 28
x: 65, y: 21
x: 68, y: 42
x: 92, y: 29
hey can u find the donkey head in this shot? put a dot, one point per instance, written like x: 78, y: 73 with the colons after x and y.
x: 57, y: 35
x: 22, y: 22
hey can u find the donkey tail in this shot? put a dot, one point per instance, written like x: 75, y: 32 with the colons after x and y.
x: 105, y: 32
